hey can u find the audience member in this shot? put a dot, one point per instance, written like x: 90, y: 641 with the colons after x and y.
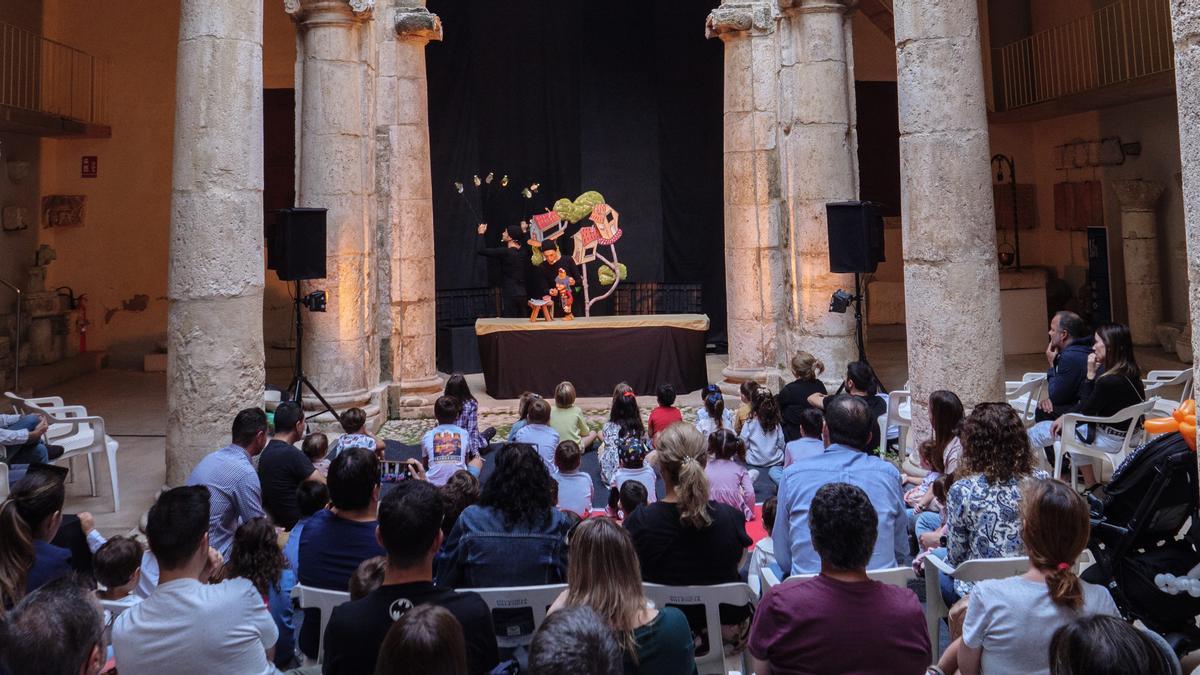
x: 118, y: 566
x: 763, y: 435
x: 567, y: 418
x: 354, y: 424
x: 1067, y: 355
x: 187, y: 624
x: 848, y: 424
x: 523, y: 403
x: 368, y: 577
x: 666, y: 413
x: 538, y: 433
x: 945, y: 419
x: 462, y: 490
x: 983, y: 505
x: 23, y: 440
x: 514, y: 536
x: 445, y: 449
x: 575, y: 641
x: 840, y: 621
x: 468, y: 414
x: 336, y: 540
x: 55, y: 630
x: 410, y: 517
x: 793, y: 398
x: 764, y: 549
x: 575, y: 488
x: 316, y: 448
x: 713, y: 416
x: 684, y: 539
x: 728, y: 480
x: 633, y: 496
x: 810, y: 444
x: 256, y: 556
x: 861, y: 382
x: 232, y: 482
x: 1113, y: 382
x: 631, y: 455
x: 425, y: 640
x: 746, y: 391
x: 624, y: 421
x: 282, y: 467
x: 604, y: 576
x: 1106, y: 645
x: 1009, y: 622
x: 311, y: 497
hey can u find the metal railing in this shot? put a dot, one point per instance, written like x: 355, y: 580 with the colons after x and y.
x: 44, y: 76
x: 1117, y: 43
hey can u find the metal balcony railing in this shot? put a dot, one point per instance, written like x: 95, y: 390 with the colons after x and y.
x: 1117, y: 43
x: 44, y: 76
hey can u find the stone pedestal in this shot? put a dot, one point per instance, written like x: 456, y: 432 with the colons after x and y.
x: 756, y: 261
x: 951, y: 283
x: 819, y: 165
x: 334, y: 100
x: 405, y: 204
x: 1185, y: 21
x: 215, y: 277
x: 1139, y: 233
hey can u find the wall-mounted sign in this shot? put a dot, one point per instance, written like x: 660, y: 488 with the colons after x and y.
x: 89, y: 167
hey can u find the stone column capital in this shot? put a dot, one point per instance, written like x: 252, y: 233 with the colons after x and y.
x: 734, y: 19
x: 417, y: 24
x: 817, y: 6
x: 329, y: 11
x: 1137, y: 194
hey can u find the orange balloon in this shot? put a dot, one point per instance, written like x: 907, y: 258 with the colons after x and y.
x: 1188, y: 431
x: 1188, y: 407
x: 1178, y: 414
x: 1162, y: 425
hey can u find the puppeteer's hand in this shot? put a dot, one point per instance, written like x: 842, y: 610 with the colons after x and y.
x: 482, y: 229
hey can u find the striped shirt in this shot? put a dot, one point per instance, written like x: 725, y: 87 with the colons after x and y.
x: 235, y: 495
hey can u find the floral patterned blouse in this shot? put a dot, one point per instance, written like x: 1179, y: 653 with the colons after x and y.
x: 984, y: 521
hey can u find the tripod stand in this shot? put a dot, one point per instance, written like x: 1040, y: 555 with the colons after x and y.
x: 839, y: 304
x: 299, y: 380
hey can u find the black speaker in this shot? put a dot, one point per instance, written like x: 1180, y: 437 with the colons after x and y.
x: 296, y: 244
x: 855, y: 237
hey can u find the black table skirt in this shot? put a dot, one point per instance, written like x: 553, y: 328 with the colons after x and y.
x: 593, y: 359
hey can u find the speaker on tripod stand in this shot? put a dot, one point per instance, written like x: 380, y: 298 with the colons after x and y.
x: 855, y: 247
x: 296, y: 251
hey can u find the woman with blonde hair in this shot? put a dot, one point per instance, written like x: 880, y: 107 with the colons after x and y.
x: 1010, y: 622
x: 793, y: 398
x: 603, y: 575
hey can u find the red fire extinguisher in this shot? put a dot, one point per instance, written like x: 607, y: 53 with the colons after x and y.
x: 81, y: 305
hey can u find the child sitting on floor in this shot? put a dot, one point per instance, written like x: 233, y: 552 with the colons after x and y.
x: 445, y: 448
x: 539, y: 433
x: 764, y: 550
x: 921, y: 497
x: 523, y: 403
x: 316, y: 449
x: 633, y: 496
x: 567, y: 418
x: 728, y: 480
x: 743, y: 412
x: 311, y: 496
x: 666, y: 413
x: 575, y: 490
x: 118, y: 567
x: 354, y: 422
x: 631, y: 455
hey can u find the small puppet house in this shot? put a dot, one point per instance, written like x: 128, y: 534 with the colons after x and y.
x: 547, y: 226
x: 586, y: 241
x: 607, y: 222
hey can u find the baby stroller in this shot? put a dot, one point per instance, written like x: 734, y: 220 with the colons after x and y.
x: 1136, y: 522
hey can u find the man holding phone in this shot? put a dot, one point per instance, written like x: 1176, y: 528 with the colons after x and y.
x: 1067, y: 356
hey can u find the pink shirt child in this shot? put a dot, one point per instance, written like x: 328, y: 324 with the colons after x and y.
x: 729, y: 483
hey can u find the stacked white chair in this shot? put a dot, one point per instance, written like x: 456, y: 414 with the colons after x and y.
x: 1025, y: 395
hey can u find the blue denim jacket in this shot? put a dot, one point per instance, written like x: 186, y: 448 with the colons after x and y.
x: 482, y: 551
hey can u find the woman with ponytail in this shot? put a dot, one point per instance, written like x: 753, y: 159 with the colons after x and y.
x: 793, y: 398
x: 29, y: 519
x: 1010, y: 622
x: 685, y: 539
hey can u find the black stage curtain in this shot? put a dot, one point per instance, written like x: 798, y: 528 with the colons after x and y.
x: 622, y: 97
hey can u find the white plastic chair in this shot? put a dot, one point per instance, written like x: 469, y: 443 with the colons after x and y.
x: 1157, y: 381
x: 1070, y: 444
x: 711, y: 597
x: 78, y: 433
x: 969, y: 570
x: 4, y: 488
x: 899, y: 415
x: 322, y: 599
x: 1025, y: 395
x: 536, y: 598
x: 892, y: 576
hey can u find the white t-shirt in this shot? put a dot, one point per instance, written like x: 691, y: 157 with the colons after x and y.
x: 189, y: 627
x: 1013, y: 620
x: 644, y: 475
x: 575, y: 492
x: 762, y: 448
x: 445, y: 450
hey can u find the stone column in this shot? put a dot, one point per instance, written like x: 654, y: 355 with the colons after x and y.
x: 215, y: 275
x: 1185, y: 17
x: 333, y: 107
x: 755, y: 245
x: 405, y: 203
x: 1139, y: 230
x: 820, y: 165
x: 951, y: 283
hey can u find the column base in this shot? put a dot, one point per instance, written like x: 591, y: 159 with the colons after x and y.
x: 733, y: 378
x: 414, y: 398
x: 371, y: 401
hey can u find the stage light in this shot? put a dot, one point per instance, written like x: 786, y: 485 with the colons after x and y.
x: 840, y: 301
x: 315, y: 301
